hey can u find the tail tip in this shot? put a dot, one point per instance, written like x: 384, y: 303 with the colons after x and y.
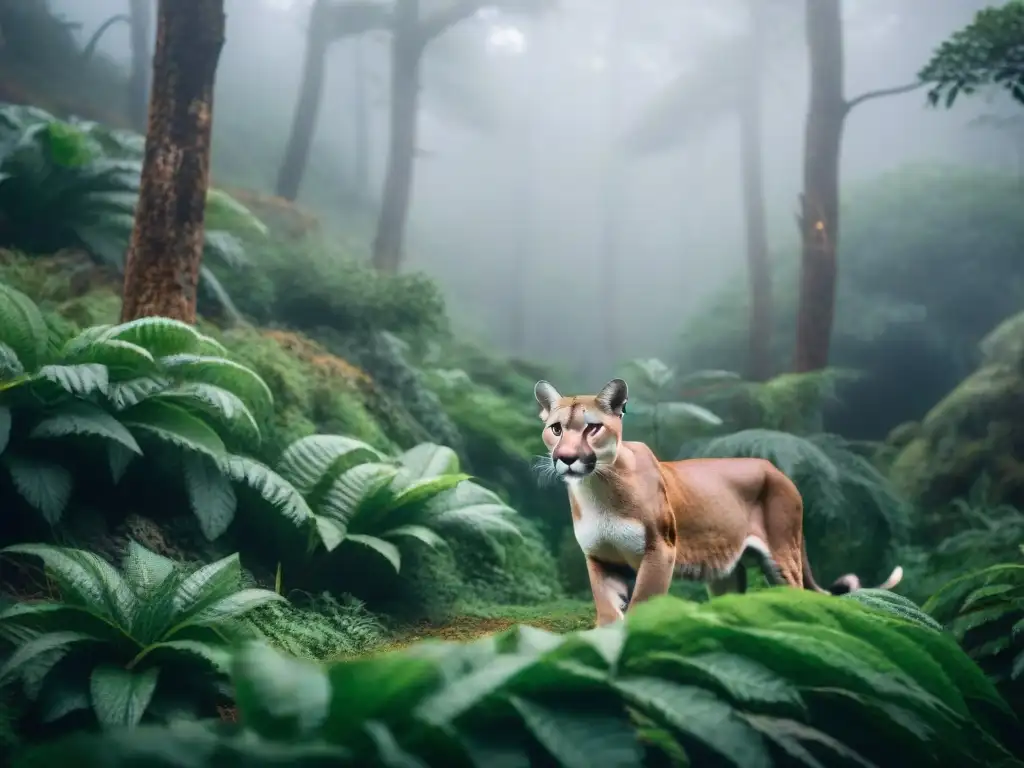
x: 894, y: 578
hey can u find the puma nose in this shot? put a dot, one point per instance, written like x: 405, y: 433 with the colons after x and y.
x: 567, y: 460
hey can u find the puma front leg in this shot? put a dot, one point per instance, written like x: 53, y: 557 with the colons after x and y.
x: 655, y: 574
x: 610, y: 592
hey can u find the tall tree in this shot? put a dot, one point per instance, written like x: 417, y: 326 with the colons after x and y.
x: 728, y: 82
x: 759, y: 270
x: 166, y: 248
x: 329, y: 22
x: 140, y: 37
x: 411, y: 33
x: 818, y: 217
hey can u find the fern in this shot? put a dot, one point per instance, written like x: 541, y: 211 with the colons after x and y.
x: 119, y: 642
x: 360, y: 496
x: 985, y: 611
x: 779, y: 677
x: 75, y: 185
x: 850, y: 509
x: 140, y: 388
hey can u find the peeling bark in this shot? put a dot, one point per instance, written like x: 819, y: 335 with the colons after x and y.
x: 166, y: 249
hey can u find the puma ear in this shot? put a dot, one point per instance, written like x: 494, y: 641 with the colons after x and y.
x: 546, y: 396
x: 613, y: 397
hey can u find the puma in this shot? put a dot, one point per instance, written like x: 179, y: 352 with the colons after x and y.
x: 701, y: 519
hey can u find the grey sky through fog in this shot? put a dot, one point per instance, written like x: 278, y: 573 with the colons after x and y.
x: 506, y: 93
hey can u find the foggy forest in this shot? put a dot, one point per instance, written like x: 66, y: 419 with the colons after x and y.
x: 527, y: 382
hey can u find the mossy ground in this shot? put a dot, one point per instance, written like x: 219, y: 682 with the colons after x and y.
x: 561, y: 616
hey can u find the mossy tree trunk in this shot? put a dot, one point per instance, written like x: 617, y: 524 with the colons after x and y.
x: 818, y: 216
x: 166, y: 249
x: 329, y: 22
x: 759, y: 275
x: 141, y: 37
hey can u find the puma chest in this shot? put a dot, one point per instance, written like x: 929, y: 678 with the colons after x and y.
x: 606, y: 535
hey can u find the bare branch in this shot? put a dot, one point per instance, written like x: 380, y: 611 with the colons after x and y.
x: 90, y: 47
x: 440, y: 22
x: 882, y: 93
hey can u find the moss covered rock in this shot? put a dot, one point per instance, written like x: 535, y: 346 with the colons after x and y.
x: 975, y: 431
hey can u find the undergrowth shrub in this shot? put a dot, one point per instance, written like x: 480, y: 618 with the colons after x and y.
x: 76, y: 184
x: 148, y: 642
x: 152, y: 388
x: 318, y: 627
x: 985, y: 611
x: 778, y: 677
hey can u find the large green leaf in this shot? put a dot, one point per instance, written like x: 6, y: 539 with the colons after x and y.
x: 122, y: 358
x: 223, y: 373
x: 81, y: 380
x: 144, y: 569
x: 121, y: 696
x: 22, y: 327
x: 363, y: 488
x: 273, y: 488
x: 173, y: 425
x: 310, y: 461
x: 125, y: 394
x: 429, y: 460
x: 85, y: 580
x: 210, y: 494
x: 280, y: 698
x: 44, y: 485
x: 82, y: 418
x: 25, y: 654
x: 220, y: 404
x: 160, y: 336
x: 385, y: 549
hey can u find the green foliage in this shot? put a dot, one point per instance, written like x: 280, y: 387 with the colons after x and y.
x: 310, y: 283
x: 985, y: 611
x: 912, y: 335
x: 76, y: 185
x: 780, y: 677
x: 320, y: 628
x: 151, y: 640
x: 653, y: 397
x: 851, y: 514
x: 357, y: 495
x: 988, y: 51
x: 153, y: 387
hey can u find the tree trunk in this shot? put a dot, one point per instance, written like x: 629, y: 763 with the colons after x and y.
x: 759, y: 360
x: 166, y: 249
x: 819, y: 204
x: 141, y: 36
x: 311, y: 91
x: 406, y: 54
x: 360, y: 123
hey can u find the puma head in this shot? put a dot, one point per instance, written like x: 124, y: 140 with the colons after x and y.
x: 582, y: 432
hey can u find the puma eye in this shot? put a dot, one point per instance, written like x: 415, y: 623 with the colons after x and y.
x: 593, y: 429
x: 556, y: 429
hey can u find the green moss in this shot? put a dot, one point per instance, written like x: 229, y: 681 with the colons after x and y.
x: 314, y: 391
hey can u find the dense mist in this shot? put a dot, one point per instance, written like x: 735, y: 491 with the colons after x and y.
x: 527, y: 175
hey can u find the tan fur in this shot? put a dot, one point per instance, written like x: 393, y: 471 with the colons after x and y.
x: 701, y: 519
